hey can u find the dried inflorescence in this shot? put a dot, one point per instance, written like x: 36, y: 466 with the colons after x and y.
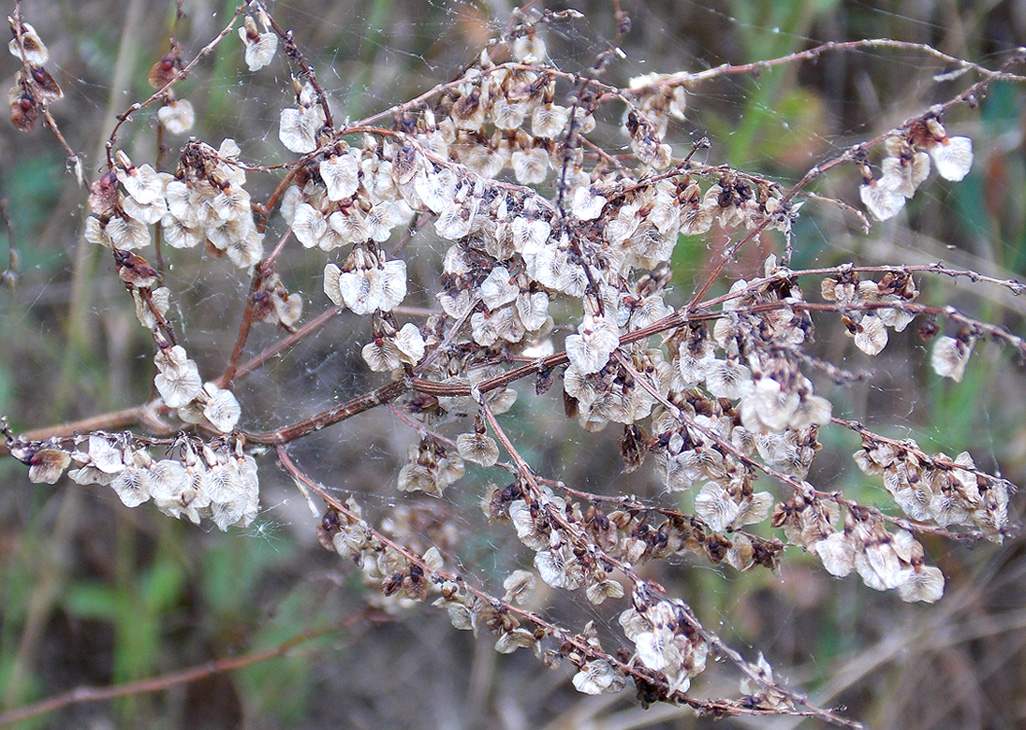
x: 195, y: 479
x: 34, y: 88
x: 907, y: 165
x: 557, y: 256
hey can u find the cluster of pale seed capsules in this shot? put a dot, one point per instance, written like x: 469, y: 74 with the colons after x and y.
x: 721, y: 399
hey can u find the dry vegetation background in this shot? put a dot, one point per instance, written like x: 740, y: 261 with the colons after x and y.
x: 94, y: 594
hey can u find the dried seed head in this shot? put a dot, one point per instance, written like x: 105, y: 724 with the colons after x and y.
x: 47, y: 465
x: 950, y: 357
x: 29, y: 48
x: 164, y: 71
x: 177, y: 116
x: 24, y: 109
x: 260, y: 47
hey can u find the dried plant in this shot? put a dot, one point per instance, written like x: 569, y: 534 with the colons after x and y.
x: 557, y: 272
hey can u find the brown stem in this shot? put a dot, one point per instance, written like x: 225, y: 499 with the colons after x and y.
x: 225, y: 381
x: 10, y: 273
x: 164, y: 682
x: 158, y: 234
x: 284, y: 344
x: 937, y: 462
x: 849, y: 155
x: 795, y: 484
x: 267, y: 208
x: 113, y: 421
x: 277, y: 249
x: 812, y: 54
x: 393, y: 390
x: 162, y: 324
x: 583, y: 543
x: 350, y: 408
x: 718, y: 708
x: 73, y: 158
x: 161, y: 92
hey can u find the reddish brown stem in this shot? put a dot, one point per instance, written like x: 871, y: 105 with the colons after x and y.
x: 160, y: 93
x: 719, y: 708
x: 312, y: 326
x: 267, y: 208
x: 225, y: 381
x: 165, y: 682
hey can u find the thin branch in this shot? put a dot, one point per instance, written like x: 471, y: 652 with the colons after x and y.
x: 245, y: 325
x: 10, y: 274
x: 559, y: 519
x: 164, y: 682
x: 688, y: 80
x: 113, y: 421
x: 936, y: 462
x: 74, y: 161
x: 160, y: 93
x: 716, y: 708
x: 286, y: 343
x: 798, y: 486
x: 306, y: 70
x: 967, y: 96
x: 350, y: 408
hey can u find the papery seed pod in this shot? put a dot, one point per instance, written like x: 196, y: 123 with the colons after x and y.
x: 221, y: 409
x: 587, y: 204
x: 349, y: 226
x: 142, y: 183
x: 147, y: 309
x: 178, y: 380
x: 47, y: 90
x: 405, y: 164
x: 478, y: 448
x: 47, y: 465
x: 598, y: 676
x: 870, y: 335
x: 103, y: 193
x: 924, y: 583
x: 298, y: 128
x: 381, y: 354
x: 633, y: 447
x: 950, y: 356
x: 177, y: 116
x: 169, y: 480
x: 260, y: 47
x: 329, y: 526
x: 953, y: 157
x: 28, y: 48
x: 132, y: 486
x: 134, y: 270
x: 247, y: 248
x: 410, y: 344
x: 881, y: 200
x: 24, y: 109
x: 164, y: 71
x: 340, y: 174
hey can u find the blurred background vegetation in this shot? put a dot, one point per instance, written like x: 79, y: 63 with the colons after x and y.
x: 94, y: 594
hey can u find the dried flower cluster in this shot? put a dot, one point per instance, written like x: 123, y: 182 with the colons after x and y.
x: 907, y: 165
x: 34, y: 88
x: 215, y: 480
x: 557, y: 259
